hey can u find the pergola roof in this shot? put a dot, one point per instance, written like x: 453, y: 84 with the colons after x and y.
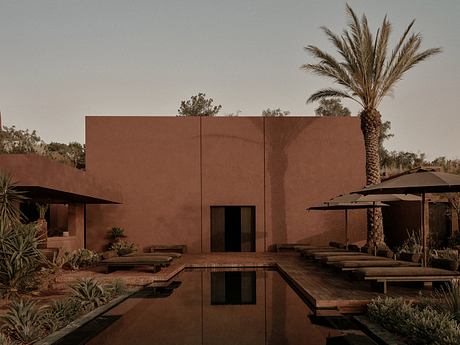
x: 49, y: 181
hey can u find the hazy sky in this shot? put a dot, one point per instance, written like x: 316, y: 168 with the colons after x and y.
x: 64, y: 59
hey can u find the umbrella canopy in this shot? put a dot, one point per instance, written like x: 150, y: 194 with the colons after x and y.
x: 358, y: 198
x: 325, y: 206
x: 422, y: 182
x: 417, y: 182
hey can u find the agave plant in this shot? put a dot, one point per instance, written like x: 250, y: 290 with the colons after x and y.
x: 10, y: 198
x: 20, y: 258
x: 24, y: 321
x: 6, y: 340
x: 90, y: 293
x: 60, y: 313
x: 449, y: 299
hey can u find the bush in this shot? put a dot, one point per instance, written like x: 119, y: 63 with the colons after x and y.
x: 90, y: 293
x: 116, y: 233
x: 20, y: 258
x: 418, y: 325
x: 61, y: 312
x: 81, y: 258
x: 123, y: 247
x: 24, y: 321
x: 448, y: 300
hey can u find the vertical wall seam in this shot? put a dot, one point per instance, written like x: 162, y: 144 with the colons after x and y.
x: 265, y: 187
x: 201, y: 186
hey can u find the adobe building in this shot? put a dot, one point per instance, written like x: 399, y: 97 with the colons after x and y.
x: 224, y: 183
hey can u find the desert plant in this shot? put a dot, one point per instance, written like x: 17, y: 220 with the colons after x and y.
x: 413, y: 243
x: 116, y: 233
x: 61, y: 312
x: 81, y: 258
x: 90, y: 293
x: 367, y: 72
x: 448, y: 299
x: 449, y: 254
x: 20, y: 258
x: 124, y: 247
x: 24, y: 321
x: 6, y: 340
x: 117, y: 288
x: 418, y: 325
x: 10, y: 198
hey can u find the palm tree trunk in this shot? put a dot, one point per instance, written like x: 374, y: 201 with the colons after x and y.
x: 370, y: 126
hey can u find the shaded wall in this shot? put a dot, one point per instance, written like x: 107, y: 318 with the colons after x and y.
x: 171, y: 170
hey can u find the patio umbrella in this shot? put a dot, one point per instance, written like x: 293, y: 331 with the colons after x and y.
x: 326, y: 206
x: 421, y: 182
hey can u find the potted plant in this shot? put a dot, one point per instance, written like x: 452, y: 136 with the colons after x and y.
x: 411, y: 249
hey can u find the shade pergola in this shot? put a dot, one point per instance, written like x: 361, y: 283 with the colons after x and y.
x: 420, y: 182
x: 327, y: 206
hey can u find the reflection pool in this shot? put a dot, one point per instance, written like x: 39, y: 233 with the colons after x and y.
x: 209, y: 307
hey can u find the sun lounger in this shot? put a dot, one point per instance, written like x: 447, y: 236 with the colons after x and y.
x: 380, y: 276
x: 348, y: 257
x: 134, y: 261
x: 177, y: 248
x: 171, y: 254
x: 312, y: 252
x: 353, y: 265
x: 319, y: 256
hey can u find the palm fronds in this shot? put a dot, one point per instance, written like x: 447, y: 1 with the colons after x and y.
x: 363, y: 67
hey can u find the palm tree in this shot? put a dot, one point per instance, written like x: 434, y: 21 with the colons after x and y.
x: 366, y: 73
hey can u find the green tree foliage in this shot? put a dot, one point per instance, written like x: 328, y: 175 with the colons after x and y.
x: 331, y: 107
x: 199, y: 105
x: 275, y: 112
x: 72, y: 154
x: 366, y: 72
x: 17, y: 141
x: 14, y: 140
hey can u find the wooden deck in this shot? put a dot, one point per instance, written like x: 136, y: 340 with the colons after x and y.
x: 328, y: 292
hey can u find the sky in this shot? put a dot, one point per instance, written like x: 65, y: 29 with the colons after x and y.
x: 63, y: 59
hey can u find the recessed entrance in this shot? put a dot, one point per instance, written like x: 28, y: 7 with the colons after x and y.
x: 233, y: 228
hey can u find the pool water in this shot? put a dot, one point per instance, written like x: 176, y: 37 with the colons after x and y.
x: 209, y: 307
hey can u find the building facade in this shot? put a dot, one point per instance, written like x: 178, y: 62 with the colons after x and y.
x: 224, y: 183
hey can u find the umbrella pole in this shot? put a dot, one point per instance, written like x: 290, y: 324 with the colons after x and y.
x: 346, y: 228
x: 423, y: 231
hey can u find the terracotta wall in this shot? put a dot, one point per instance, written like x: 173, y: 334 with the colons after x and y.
x: 171, y: 170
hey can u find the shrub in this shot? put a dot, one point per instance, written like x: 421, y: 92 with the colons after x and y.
x: 117, y: 288
x: 90, y: 293
x: 24, y: 321
x: 61, y: 312
x: 116, y: 233
x: 123, y: 247
x: 5, y: 340
x: 10, y: 197
x: 20, y: 258
x: 448, y: 300
x: 417, y: 325
x: 81, y: 258
x: 413, y: 243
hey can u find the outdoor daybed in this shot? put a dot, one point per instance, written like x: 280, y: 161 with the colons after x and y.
x: 174, y: 255
x: 380, y: 276
x: 347, y: 257
x: 156, y: 262
x: 354, y: 264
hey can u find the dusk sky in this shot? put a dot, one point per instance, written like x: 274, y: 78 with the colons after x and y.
x: 64, y: 59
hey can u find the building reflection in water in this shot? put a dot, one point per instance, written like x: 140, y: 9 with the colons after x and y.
x: 208, y: 307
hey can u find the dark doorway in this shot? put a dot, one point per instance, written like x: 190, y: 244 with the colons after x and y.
x: 233, y: 228
x: 233, y: 288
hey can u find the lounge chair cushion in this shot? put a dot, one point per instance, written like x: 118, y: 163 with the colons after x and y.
x: 171, y: 254
x: 402, y: 272
x: 372, y: 263
x: 337, y: 258
x: 138, y: 260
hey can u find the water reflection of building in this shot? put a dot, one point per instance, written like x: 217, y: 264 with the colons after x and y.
x: 189, y: 316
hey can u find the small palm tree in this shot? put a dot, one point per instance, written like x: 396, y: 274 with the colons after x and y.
x: 367, y: 72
